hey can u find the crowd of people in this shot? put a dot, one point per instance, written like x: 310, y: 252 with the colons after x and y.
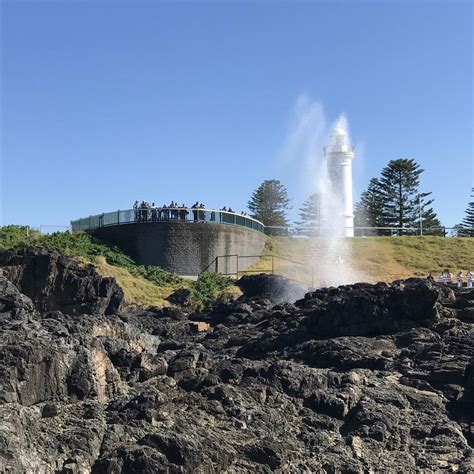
x: 146, y: 212
x: 448, y: 278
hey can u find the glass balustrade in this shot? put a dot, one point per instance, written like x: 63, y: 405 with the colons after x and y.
x: 178, y: 214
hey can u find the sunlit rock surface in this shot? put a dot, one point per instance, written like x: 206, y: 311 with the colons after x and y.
x: 353, y: 379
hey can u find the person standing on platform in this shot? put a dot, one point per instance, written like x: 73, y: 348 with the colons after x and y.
x: 173, y: 210
x: 183, y: 213
x: 154, y: 212
x: 142, y: 211
x: 166, y: 213
x: 135, y: 211
x: 201, y: 213
x: 195, y: 212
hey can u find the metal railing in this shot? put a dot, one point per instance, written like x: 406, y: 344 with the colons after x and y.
x: 321, y: 231
x: 291, y: 269
x: 165, y: 214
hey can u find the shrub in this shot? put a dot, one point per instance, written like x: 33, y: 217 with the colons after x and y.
x: 208, y: 286
x: 15, y: 235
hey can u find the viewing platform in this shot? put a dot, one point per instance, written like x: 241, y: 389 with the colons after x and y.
x: 181, y: 240
x: 165, y: 214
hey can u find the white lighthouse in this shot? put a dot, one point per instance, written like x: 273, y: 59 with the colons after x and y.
x: 339, y: 155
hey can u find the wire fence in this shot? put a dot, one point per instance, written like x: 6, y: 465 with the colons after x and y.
x: 45, y: 229
x: 246, y: 221
x: 319, y: 231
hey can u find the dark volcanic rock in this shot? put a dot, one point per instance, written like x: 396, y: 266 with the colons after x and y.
x: 56, y: 282
x: 274, y: 287
x: 181, y: 297
x: 363, y: 309
x: 361, y: 378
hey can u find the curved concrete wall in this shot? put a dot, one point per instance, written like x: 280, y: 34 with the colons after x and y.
x: 185, y: 248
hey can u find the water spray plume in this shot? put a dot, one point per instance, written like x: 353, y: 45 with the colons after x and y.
x: 330, y: 175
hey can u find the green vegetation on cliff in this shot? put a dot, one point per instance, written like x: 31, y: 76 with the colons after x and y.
x: 378, y: 258
x: 145, y: 285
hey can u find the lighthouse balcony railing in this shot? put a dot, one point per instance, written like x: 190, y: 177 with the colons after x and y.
x: 154, y: 215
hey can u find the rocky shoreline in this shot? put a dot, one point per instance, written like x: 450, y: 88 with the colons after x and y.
x: 360, y: 378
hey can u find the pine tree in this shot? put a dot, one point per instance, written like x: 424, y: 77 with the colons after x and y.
x: 368, y: 212
x: 269, y: 203
x: 403, y: 204
x: 429, y: 220
x: 468, y: 221
x: 310, y: 211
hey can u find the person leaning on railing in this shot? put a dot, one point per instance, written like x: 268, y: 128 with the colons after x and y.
x: 201, y: 213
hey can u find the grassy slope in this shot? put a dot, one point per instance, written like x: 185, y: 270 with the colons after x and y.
x: 137, y: 289
x: 381, y: 258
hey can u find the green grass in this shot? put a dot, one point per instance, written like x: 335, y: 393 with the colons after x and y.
x: 379, y: 258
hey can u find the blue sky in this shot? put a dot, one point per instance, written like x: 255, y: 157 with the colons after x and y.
x: 107, y: 102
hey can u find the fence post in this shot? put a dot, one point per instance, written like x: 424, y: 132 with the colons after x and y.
x: 217, y: 264
x: 237, y: 266
x: 273, y: 266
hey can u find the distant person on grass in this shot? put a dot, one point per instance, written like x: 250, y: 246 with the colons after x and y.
x: 459, y: 279
x: 450, y: 277
x: 469, y: 277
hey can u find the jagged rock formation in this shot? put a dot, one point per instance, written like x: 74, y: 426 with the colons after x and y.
x: 352, y: 379
x: 54, y: 281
